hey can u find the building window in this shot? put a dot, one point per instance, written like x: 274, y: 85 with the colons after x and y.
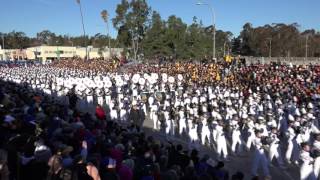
x: 46, y: 52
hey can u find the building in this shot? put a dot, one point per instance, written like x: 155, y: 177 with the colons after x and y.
x: 98, y: 53
x: 45, y: 53
x: 13, y: 54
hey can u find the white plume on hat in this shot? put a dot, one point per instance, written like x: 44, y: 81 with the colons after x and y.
x: 297, y: 112
x: 310, y: 105
x: 303, y: 111
x: 311, y: 116
x: 290, y: 117
x: 244, y: 115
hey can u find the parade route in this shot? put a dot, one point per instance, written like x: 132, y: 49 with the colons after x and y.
x: 241, y: 163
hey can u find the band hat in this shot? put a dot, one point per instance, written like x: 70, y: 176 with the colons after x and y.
x: 311, y: 116
x: 310, y: 105
x: 303, y: 111
x: 297, y: 112
x: 290, y: 117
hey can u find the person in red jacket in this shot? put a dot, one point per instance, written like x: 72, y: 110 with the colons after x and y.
x: 100, y: 113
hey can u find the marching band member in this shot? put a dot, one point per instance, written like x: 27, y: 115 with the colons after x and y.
x: 236, y: 135
x: 274, y: 149
x: 89, y: 96
x: 113, y: 111
x: 251, y: 128
x: 221, y: 141
x: 205, y: 132
x: 154, y: 115
x: 182, y: 121
x: 306, y: 169
x: 291, y: 136
x: 259, y: 159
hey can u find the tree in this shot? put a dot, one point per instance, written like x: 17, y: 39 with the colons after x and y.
x: 46, y: 37
x: 132, y: 22
x: 246, y: 36
x: 16, y: 40
x: 153, y: 44
x: 175, y: 37
x: 236, y: 46
x: 105, y: 17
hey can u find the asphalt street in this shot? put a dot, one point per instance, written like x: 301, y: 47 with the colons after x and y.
x: 241, y: 163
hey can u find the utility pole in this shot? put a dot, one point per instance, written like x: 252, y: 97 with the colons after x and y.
x: 83, y: 28
x: 224, y: 49
x: 307, y: 46
x: 2, y: 41
x: 270, y: 47
x: 213, y: 26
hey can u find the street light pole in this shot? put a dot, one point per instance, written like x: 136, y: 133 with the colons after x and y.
x: 214, y: 27
x: 105, y: 17
x: 84, y: 31
x: 270, y: 47
x: 224, y: 49
x: 2, y: 41
x: 307, y: 46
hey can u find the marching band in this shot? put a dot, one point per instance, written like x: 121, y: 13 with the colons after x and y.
x: 214, y: 109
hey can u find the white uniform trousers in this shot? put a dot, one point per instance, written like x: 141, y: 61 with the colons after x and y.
x: 251, y: 137
x: 89, y: 102
x: 123, y: 115
x: 114, y: 114
x: 107, y: 100
x: 154, y: 118
x: 205, y: 133
x: 100, y: 100
x: 168, y: 126
x: 222, y: 146
x: 292, y: 151
x: 182, y: 125
x: 236, y: 140
x: 274, y: 151
x: 316, y: 167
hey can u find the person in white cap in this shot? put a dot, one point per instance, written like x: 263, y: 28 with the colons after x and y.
x: 150, y: 101
x: 236, y: 135
x: 193, y: 135
x: 167, y: 120
x: 89, y: 96
x: 123, y: 114
x: 274, y: 148
x: 182, y: 121
x: 251, y: 137
x: 291, y: 136
x: 154, y: 115
x: 259, y: 159
x: 205, y: 132
x: 306, y: 168
x: 221, y: 141
x: 100, y: 94
x: 113, y: 111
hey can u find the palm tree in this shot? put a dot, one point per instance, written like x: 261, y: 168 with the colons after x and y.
x: 84, y: 31
x: 105, y: 17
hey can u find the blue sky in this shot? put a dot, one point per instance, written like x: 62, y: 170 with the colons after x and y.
x: 62, y: 16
